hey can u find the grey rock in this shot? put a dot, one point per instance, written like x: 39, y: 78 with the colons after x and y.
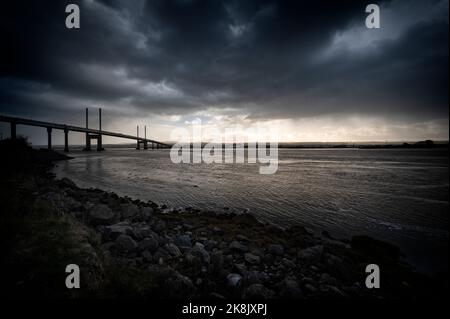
x: 114, y: 231
x: 242, y: 238
x: 327, y: 279
x: 275, y: 249
x: 125, y: 243
x: 173, y: 250
x: 101, y: 214
x: 129, y: 210
x: 311, y: 255
x: 215, y: 295
x: 290, y: 288
x: 237, y: 246
x: 258, y: 291
x: 217, y: 260
x: 144, y: 231
x: 151, y: 244
x: 147, y: 256
x: 288, y: 263
x: 200, y: 251
x: 240, y: 268
x: 336, y: 264
x: 252, y: 259
x: 146, y: 212
x: 159, y: 226
x: 252, y: 277
x: 310, y: 289
x: 183, y: 241
x: 333, y: 292
x: 234, y: 280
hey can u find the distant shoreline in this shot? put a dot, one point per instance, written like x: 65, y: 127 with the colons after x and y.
x: 313, y: 145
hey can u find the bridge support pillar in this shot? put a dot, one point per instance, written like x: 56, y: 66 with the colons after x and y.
x: 66, y: 140
x: 13, y: 131
x: 88, y: 143
x: 100, y: 143
x: 145, y: 145
x: 138, y: 145
x: 49, y: 138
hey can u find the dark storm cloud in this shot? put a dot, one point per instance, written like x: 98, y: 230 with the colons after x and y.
x: 270, y: 59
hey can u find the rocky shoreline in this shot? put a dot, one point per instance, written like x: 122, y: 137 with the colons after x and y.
x: 135, y: 249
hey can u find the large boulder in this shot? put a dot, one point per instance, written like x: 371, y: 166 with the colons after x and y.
x: 146, y: 212
x: 290, y: 289
x: 234, y: 280
x: 125, y: 244
x: 101, y: 214
x: 200, y: 251
x: 129, y: 211
x: 311, y: 255
x: 183, y: 241
x: 252, y: 259
x: 114, y: 231
x: 237, y: 246
x: 150, y: 244
x: 173, y: 250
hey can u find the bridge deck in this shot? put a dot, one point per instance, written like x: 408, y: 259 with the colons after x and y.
x: 22, y: 121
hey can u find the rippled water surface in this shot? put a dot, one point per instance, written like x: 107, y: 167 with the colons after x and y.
x: 396, y: 195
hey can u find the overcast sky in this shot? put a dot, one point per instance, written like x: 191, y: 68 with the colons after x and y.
x: 313, y: 71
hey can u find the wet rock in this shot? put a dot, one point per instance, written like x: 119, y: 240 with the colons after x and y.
x: 252, y: 259
x: 288, y: 263
x: 336, y: 265
x: 215, y: 295
x: 125, y: 244
x: 217, y: 260
x: 289, y: 288
x: 151, y: 244
x: 101, y: 214
x: 311, y: 255
x: 242, y: 238
x: 147, y: 213
x: 237, y: 246
x: 200, y: 251
x: 65, y: 182
x: 173, y: 250
x: 147, y: 256
x: 129, y: 210
x: 277, y: 250
x: 172, y: 283
x: 114, y: 231
x: 240, y: 268
x: 234, y: 280
x: 161, y: 254
x: 159, y: 226
x: 333, y: 292
x: 325, y: 278
x: 144, y: 231
x: 258, y: 291
x: 183, y: 241
x: 310, y: 289
x: 252, y: 277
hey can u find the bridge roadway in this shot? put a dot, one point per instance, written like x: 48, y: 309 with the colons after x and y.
x: 92, y: 133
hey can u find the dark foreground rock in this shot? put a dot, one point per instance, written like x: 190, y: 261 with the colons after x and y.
x: 130, y: 248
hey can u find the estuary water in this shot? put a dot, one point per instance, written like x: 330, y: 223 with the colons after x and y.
x: 397, y: 195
